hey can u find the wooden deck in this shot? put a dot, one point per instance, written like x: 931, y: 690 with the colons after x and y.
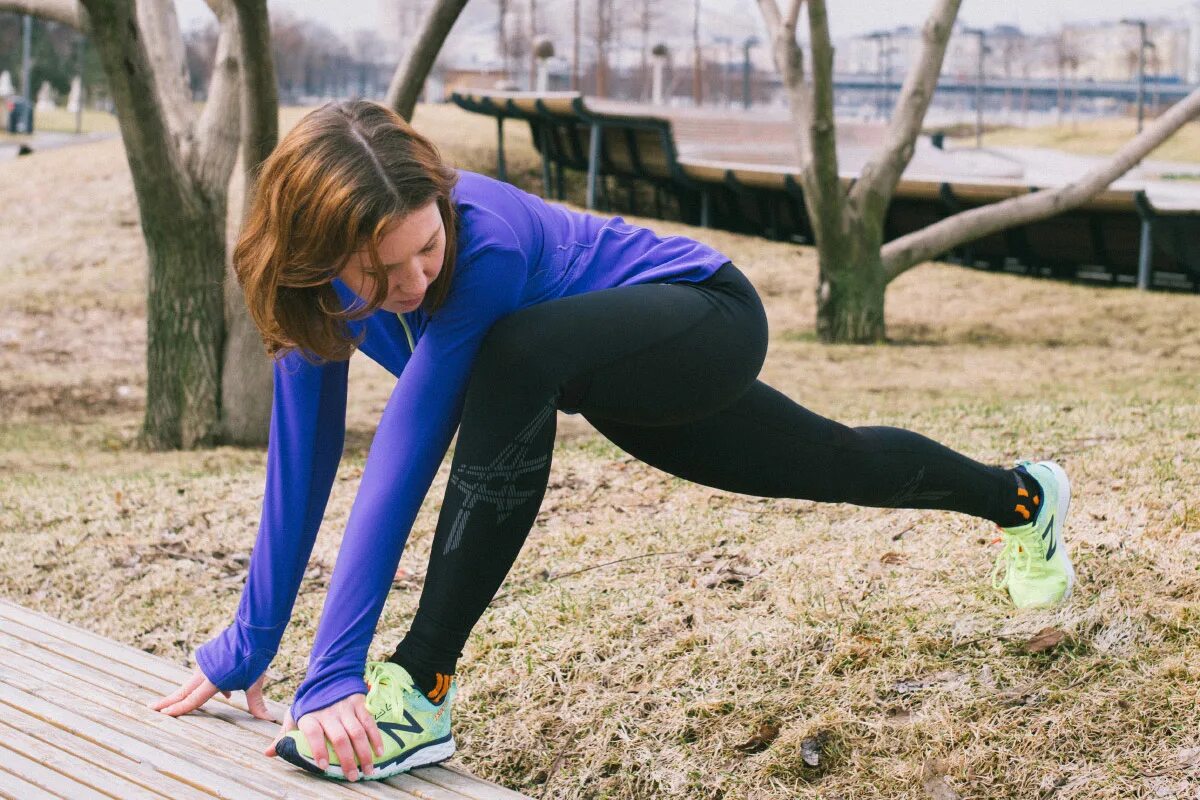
x: 74, y: 723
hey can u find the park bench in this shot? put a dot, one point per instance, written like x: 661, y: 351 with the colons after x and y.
x: 74, y: 724
x: 736, y: 171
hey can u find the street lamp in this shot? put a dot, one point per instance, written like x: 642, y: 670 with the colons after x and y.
x: 1141, y: 80
x: 982, y: 34
x: 746, y: 45
x: 882, y: 53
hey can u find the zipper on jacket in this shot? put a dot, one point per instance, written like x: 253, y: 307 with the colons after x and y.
x: 411, y: 347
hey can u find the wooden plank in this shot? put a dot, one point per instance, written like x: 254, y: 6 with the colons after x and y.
x: 129, y: 666
x: 52, y: 662
x: 71, y: 672
x: 68, y: 762
x: 103, y: 671
x: 467, y: 785
x: 207, y: 738
x: 13, y: 693
x: 111, y: 760
x: 14, y: 788
x: 45, y: 777
x: 121, y: 654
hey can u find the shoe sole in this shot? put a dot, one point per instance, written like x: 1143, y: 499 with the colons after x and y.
x: 1064, y: 488
x: 432, y: 753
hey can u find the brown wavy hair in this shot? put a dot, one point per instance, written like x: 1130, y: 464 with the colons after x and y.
x: 343, y: 174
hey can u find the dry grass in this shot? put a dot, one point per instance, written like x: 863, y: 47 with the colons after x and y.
x: 636, y: 679
x: 1097, y: 137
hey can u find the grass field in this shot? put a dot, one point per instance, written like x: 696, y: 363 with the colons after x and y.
x: 1097, y: 137
x: 651, y: 628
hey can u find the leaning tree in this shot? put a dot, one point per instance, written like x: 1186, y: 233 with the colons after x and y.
x: 855, y: 265
x: 207, y: 377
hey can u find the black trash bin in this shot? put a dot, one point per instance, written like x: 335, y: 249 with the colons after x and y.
x: 20, y: 116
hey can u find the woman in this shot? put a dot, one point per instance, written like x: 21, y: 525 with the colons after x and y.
x: 498, y: 310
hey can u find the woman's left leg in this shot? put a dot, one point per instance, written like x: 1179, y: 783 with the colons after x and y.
x: 668, y: 372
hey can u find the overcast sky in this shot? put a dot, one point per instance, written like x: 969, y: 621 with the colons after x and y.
x: 847, y: 17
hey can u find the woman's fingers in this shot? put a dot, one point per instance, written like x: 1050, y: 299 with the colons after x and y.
x: 372, y: 729
x: 288, y: 725
x: 314, y: 732
x: 359, y: 741
x: 339, y: 737
x: 255, y: 703
x: 198, y: 697
x: 180, y: 693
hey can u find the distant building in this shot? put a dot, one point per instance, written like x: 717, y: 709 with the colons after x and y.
x: 1100, y: 51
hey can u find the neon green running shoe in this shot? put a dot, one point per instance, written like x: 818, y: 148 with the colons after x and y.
x: 1034, y: 565
x: 415, y: 731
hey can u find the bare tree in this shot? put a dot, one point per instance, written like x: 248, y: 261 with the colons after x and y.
x: 855, y: 265
x: 204, y: 379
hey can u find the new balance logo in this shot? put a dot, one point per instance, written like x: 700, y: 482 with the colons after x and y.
x: 1050, y: 532
x: 410, y: 725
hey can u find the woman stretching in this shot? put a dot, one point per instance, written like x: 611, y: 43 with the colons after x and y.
x: 497, y: 310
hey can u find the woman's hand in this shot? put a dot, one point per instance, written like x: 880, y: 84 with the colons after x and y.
x: 197, y: 690
x: 349, y: 726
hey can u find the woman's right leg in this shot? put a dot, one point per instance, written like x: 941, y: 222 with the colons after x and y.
x: 767, y: 445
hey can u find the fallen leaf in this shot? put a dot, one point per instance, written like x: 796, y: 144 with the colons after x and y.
x: 893, y: 558
x: 736, y: 570
x: 1045, y: 639
x: 761, y: 740
x: 933, y: 780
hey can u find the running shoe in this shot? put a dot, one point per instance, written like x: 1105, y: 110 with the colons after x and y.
x: 1034, y: 566
x: 415, y: 731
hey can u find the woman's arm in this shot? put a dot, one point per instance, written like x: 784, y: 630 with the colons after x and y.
x: 308, y: 425
x: 412, y: 438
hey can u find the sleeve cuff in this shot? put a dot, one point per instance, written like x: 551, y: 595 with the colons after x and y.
x: 326, y: 693
x: 238, y: 655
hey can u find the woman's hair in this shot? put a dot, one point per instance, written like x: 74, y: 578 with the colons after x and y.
x: 332, y: 185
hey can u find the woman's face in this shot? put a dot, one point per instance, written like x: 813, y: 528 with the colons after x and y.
x: 412, y: 251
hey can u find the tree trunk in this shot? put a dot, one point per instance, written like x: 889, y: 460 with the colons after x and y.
x: 850, y: 289
x: 185, y: 325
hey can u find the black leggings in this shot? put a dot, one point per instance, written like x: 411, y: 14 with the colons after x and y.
x: 667, y: 371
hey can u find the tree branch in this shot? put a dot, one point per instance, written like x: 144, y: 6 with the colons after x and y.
x: 218, y: 130
x: 155, y: 162
x: 260, y: 94
x: 907, y: 251
x: 67, y: 12
x: 823, y: 183
x: 164, y: 46
x: 410, y: 75
x: 790, y: 63
x: 874, y: 189
x: 793, y: 16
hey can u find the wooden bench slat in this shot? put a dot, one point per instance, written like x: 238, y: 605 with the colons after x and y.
x: 468, y: 785
x: 14, y: 762
x: 14, y: 788
x: 153, y: 726
x: 76, y: 662
x: 125, y: 671
x: 13, y: 692
x: 114, y: 762
x: 68, y: 762
x: 109, y: 673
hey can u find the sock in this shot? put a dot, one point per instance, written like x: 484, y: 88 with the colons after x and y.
x: 432, y: 684
x: 1026, y: 500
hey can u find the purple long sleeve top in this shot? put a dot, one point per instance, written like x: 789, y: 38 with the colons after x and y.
x: 514, y: 250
